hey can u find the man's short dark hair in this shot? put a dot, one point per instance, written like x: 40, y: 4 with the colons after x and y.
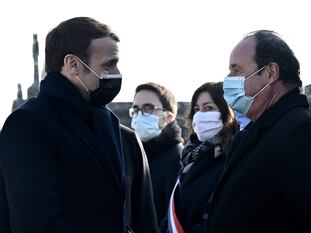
x: 73, y: 36
x: 270, y: 47
x: 165, y: 95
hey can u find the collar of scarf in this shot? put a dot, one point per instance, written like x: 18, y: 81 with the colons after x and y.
x: 58, y: 87
x: 101, y: 121
x: 195, y: 149
x: 170, y: 135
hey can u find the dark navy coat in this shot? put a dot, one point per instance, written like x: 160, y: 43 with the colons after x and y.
x: 140, y: 208
x: 62, y: 164
x: 266, y: 186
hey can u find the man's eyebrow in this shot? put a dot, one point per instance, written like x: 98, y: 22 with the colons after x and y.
x: 135, y: 105
x: 234, y: 66
x: 111, y: 62
x: 148, y: 104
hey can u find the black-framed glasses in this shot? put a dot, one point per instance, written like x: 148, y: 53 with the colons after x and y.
x: 146, y: 110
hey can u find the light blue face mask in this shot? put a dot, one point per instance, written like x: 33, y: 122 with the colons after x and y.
x: 147, y: 127
x: 234, y: 92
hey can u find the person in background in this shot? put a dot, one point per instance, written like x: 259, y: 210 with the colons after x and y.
x: 153, y: 116
x: 266, y: 186
x: 61, y: 156
x: 212, y: 126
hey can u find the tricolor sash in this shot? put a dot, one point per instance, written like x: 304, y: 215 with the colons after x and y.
x: 174, y: 225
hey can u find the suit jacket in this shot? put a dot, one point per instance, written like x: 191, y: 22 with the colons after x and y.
x: 266, y: 186
x: 140, y: 209
x: 62, y: 165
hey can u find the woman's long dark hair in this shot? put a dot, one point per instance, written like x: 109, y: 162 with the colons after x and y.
x: 227, y: 115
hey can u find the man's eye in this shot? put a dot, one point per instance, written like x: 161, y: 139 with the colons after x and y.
x: 107, y: 67
x: 148, y: 109
x: 110, y: 64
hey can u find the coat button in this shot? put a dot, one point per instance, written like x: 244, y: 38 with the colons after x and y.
x: 205, y: 216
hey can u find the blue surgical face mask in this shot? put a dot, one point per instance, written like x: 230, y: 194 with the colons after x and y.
x: 234, y: 92
x: 147, y: 127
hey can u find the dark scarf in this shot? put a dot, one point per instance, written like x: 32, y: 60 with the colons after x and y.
x: 101, y: 121
x: 196, y: 149
x: 170, y: 135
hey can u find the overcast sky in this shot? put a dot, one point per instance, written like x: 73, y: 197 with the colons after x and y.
x: 177, y: 43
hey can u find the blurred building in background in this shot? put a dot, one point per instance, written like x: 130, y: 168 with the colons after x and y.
x: 33, y: 90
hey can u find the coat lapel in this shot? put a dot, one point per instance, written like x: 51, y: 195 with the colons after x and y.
x: 80, y: 130
x: 75, y: 112
x: 249, y: 139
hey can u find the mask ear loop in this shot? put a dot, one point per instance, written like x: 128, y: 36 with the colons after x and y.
x: 82, y: 83
x: 256, y: 72
x: 90, y: 69
x: 78, y: 76
x: 264, y: 86
x: 261, y: 90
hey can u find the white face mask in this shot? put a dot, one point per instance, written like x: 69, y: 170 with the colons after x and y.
x: 147, y: 127
x: 207, y: 124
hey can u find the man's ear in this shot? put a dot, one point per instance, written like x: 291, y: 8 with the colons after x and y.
x: 274, y: 72
x: 169, y: 117
x: 71, y: 64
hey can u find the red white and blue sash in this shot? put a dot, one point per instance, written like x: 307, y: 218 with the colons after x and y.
x: 174, y: 225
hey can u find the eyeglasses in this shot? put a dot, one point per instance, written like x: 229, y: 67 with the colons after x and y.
x: 146, y: 110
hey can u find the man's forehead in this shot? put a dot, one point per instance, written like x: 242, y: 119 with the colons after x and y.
x: 104, y: 47
x: 103, y: 42
x: 146, y: 96
x: 243, y: 53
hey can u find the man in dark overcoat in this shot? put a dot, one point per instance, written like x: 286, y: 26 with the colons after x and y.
x: 266, y: 185
x: 62, y: 160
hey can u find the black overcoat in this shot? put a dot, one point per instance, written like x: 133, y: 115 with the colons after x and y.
x: 140, y: 209
x: 62, y: 164
x: 266, y: 186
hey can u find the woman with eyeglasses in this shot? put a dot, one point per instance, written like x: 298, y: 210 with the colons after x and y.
x: 153, y: 116
x: 211, y: 126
